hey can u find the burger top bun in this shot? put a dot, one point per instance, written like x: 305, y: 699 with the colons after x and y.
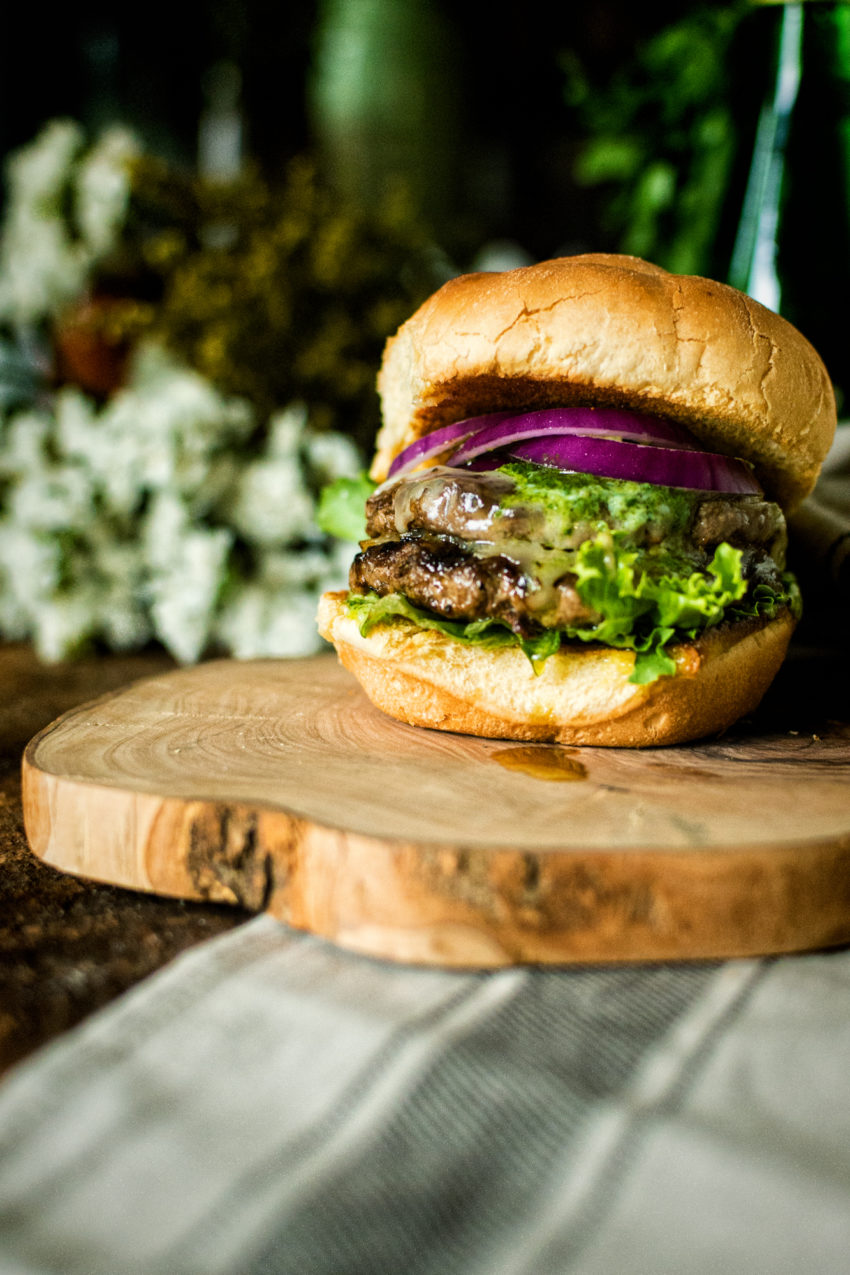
x: 613, y: 330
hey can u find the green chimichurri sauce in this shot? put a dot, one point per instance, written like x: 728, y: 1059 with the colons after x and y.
x: 569, y: 498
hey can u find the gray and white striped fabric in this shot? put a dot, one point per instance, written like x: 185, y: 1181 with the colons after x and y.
x: 270, y: 1105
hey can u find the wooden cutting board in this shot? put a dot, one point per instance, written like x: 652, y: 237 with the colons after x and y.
x: 276, y: 785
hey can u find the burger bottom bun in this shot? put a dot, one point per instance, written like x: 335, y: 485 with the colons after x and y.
x: 582, y: 694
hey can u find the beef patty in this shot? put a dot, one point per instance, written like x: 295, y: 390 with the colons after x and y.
x: 443, y: 577
x: 467, y: 505
x: 450, y: 545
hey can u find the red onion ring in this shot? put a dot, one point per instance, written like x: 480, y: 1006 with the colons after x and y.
x: 479, y: 434
x: 608, y: 442
x: 439, y: 440
x: 662, y: 466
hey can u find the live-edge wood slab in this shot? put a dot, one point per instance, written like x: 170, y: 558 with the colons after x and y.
x: 274, y: 784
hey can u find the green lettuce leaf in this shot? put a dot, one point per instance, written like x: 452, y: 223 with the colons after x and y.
x: 639, y: 610
x: 342, y: 507
x: 643, y: 612
x: 369, y: 609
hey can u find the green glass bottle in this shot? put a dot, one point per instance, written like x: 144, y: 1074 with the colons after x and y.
x: 384, y: 101
x: 792, y: 248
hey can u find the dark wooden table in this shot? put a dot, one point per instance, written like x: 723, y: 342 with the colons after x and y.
x: 67, y: 946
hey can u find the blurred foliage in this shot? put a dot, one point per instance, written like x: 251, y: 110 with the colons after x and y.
x: 659, y: 139
x: 273, y: 292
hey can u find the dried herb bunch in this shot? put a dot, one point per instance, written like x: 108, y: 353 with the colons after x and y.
x: 274, y: 293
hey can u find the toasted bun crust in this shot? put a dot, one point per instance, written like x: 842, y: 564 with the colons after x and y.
x: 581, y: 696
x: 613, y: 330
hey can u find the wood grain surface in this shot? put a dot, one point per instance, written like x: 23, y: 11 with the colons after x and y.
x: 275, y: 785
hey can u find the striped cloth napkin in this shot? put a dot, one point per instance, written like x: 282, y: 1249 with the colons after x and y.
x: 270, y: 1104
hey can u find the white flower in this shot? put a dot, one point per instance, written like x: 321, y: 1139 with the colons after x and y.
x: 271, y: 504
x: 34, y: 600
x: 102, y: 189
x: 166, y: 520
x: 187, y: 569
x: 47, y: 255
x: 339, y: 561
x: 117, y: 568
x: 41, y: 267
x: 123, y: 624
x: 64, y: 621
x: 38, y: 172
x: 168, y: 429
x: 255, y: 624
x: 288, y: 569
x: 78, y: 430
x: 59, y: 498
x: 41, y: 270
x: 24, y: 440
x: 31, y: 565
x: 331, y: 455
x: 286, y: 429
x: 274, y: 613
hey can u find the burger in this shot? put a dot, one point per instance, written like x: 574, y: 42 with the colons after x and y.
x: 576, y: 531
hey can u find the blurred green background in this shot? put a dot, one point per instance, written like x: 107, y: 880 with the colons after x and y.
x: 603, y: 125
x: 189, y: 341
x: 485, y: 109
